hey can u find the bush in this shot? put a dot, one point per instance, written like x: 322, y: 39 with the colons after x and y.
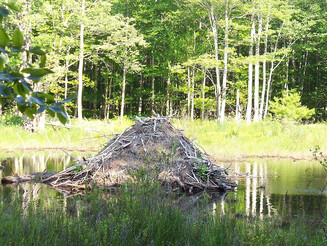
x: 289, y: 107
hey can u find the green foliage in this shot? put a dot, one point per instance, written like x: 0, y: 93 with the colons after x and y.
x: 16, y: 85
x: 289, y: 107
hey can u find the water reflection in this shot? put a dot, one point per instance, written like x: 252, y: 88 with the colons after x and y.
x: 266, y: 187
x: 277, y: 188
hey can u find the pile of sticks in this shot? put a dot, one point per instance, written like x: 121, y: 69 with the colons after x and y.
x: 153, y: 143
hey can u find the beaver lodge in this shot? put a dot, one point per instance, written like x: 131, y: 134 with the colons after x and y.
x: 152, y: 144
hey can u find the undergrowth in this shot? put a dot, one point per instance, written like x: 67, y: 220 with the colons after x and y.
x: 141, y: 214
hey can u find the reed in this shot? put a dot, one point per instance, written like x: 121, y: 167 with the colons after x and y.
x: 142, y: 214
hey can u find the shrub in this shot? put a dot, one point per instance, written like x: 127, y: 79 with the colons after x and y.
x: 289, y: 107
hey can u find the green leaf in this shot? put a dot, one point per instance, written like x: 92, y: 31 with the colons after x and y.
x: 37, y: 74
x: 20, y: 100
x: 29, y: 112
x: 61, y: 118
x: 19, y: 89
x: 4, y: 90
x: 13, y: 7
x: 28, y: 70
x: 37, y: 51
x: 2, y: 63
x: 56, y: 107
x: 3, y: 11
x: 4, y: 39
x: 18, y: 39
x: 41, y: 109
x: 21, y: 108
x: 50, y: 98
x: 43, y: 60
x: 37, y: 101
x: 69, y: 98
x: 50, y: 112
x: 26, y: 85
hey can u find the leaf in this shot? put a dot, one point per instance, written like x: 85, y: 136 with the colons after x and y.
x: 26, y: 85
x: 57, y: 107
x: 37, y: 101
x: 2, y: 63
x: 41, y: 109
x: 37, y: 74
x: 21, y: 108
x: 3, y: 11
x: 50, y: 112
x: 37, y: 51
x: 28, y: 70
x: 29, y: 113
x: 69, y: 98
x: 13, y: 7
x: 43, y: 60
x: 50, y: 98
x: 19, y: 89
x: 18, y: 39
x: 20, y: 100
x: 61, y: 118
x: 4, y: 39
x: 4, y: 90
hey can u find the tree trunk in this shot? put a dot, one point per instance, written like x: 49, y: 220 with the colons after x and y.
x: 223, y: 103
x: 264, y: 71
x: 215, y: 37
x: 192, y: 95
x: 203, y: 94
x: 152, y: 84
x: 123, y: 95
x: 268, y: 89
x: 140, y: 97
x: 188, y: 92
x: 257, y: 71
x: 80, y: 67
x: 249, y: 105
x: 168, y: 96
x: 238, y: 107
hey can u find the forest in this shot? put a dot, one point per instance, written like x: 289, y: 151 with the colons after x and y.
x: 206, y: 59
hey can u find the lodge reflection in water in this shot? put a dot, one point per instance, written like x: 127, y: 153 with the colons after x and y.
x: 274, y: 187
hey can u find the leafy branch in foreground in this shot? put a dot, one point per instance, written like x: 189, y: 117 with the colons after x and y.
x: 16, y: 85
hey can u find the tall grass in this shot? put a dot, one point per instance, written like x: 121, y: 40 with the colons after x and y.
x: 228, y: 140
x: 267, y: 138
x: 141, y: 214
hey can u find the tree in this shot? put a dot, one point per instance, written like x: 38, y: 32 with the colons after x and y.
x: 17, y: 82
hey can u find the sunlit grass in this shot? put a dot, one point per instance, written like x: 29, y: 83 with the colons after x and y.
x: 266, y: 138
x: 228, y: 140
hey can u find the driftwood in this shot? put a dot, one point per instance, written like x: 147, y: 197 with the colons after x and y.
x: 152, y: 144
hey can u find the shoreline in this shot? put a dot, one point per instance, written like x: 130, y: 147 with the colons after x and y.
x: 215, y: 158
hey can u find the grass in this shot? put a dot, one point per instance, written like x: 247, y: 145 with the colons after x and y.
x: 267, y: 138
x: 141, y: 214
x: 230, y: 140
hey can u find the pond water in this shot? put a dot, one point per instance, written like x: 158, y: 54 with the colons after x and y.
x: 271, y: 187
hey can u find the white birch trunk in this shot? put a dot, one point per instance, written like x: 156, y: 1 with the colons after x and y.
x: 223, y: 103
x: 123, y: 95
x: 256, y: 72
x: 80, y: 67
x: 250, y: 78
x: 264, y: 71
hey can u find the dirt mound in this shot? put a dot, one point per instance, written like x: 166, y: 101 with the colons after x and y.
x: 152, y: 144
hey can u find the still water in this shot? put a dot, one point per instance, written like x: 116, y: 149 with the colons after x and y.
x: 276, y: 188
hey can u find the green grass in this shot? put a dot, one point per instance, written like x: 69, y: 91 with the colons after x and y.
x: 267, y: 138
x: 230, y: 140
x: 142, y: 214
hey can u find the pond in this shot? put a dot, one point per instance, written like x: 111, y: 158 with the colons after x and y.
x: 267, y: 187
